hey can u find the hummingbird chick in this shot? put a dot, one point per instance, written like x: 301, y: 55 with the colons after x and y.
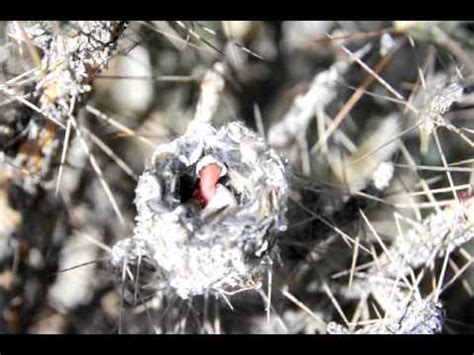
x: 213, y: 196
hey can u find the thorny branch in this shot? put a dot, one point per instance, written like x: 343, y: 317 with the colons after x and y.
x: 60, y: 85
x: 222, y: 219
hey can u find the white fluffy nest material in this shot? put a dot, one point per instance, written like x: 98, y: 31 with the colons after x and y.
x: 221, y: 246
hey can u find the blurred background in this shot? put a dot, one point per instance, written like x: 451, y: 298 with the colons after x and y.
x: 343, y: 101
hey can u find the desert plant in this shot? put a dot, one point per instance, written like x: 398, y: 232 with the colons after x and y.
x: 220, y: 177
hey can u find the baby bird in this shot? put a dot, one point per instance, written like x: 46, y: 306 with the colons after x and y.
x: 213, y: 196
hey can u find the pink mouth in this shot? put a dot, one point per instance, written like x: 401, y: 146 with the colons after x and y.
x: 207, y: 189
